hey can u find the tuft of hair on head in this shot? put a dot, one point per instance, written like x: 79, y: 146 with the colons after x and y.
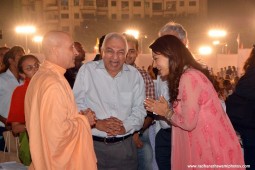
x: 131, y: 38
x: 11, y: 54
x: 173, y: 27
x: 115, y: 35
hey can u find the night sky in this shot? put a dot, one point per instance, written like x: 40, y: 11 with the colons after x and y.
x: 231, y: 11
x: 236, y: 16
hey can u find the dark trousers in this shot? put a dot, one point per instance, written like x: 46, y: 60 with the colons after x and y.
x: 163, y: 149
x: 2, y: 143
x: 248, y: 138
x: 116, y: 156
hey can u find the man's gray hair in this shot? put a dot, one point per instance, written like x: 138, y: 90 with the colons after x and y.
x: 171, y: 27
x: 117, y: 36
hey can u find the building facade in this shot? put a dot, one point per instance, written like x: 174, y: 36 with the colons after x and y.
x: 67, y: 14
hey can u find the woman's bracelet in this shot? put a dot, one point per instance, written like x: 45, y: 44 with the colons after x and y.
x: 169, y: 114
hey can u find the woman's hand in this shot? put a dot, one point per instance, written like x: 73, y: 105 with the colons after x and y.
x: 159, y: 107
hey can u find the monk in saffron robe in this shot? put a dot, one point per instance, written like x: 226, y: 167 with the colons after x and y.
x: 60, y: 138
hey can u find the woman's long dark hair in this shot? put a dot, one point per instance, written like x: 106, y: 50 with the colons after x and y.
x: 179, y: 57
x: 250, y: 62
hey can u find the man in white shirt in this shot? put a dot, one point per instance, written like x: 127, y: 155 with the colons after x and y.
x: 115, y: 92
x: 9, y: 80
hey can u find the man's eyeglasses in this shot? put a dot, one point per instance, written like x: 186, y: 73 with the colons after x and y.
x: 111, y: 52
x: 31, y: 67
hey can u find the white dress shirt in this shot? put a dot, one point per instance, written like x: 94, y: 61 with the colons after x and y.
x: 162, y: 90
x: 8, y: 83
x: 121, y: 96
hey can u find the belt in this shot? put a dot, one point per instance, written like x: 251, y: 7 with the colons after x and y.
x: 110, y: 139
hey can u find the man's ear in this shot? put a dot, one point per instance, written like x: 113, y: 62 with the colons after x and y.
x: 11, y: 61
x: 138, y: 51
x: 54, y: 50
x: 101, y: 52
x: 22, y: 75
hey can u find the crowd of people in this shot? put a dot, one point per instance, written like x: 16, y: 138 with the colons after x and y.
x: 109, y: 114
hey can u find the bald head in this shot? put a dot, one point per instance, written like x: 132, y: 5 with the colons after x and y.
x: 52, y: 39
x: 58, y: 48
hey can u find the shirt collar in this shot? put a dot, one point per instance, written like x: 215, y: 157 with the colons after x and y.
x: 9, y: 73
x: 59, y: 69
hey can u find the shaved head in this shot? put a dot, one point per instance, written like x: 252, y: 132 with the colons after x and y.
x: 52, y: 39
x: 58, y: 48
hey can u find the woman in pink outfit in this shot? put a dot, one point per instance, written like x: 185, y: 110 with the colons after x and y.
x: 202, y: 135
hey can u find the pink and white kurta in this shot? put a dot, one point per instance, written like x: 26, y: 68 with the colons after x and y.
x: 202, y: 133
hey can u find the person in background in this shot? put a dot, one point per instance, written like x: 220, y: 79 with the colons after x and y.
x: 59, y: 136
x: 27, y: 67
x: 241, y: 109
x: 99, y: 55
x: 163, y: 137
x: 3, y: 50
x: 141, y: 137
x: 151, y: 71
x: 9, y: 80
x: 227, y: 88
x: 202, y: 133
x: 71, y: 73
x: 115, y: 91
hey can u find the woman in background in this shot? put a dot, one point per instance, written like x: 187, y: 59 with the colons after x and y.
x: 27, y: 67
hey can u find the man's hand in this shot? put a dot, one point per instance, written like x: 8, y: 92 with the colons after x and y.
x: 112, y: 126
x: 138, y: 142
x: 4, y: 121
x: 90, y: 115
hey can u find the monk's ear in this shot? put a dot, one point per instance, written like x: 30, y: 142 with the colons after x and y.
x: 54, y: 50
